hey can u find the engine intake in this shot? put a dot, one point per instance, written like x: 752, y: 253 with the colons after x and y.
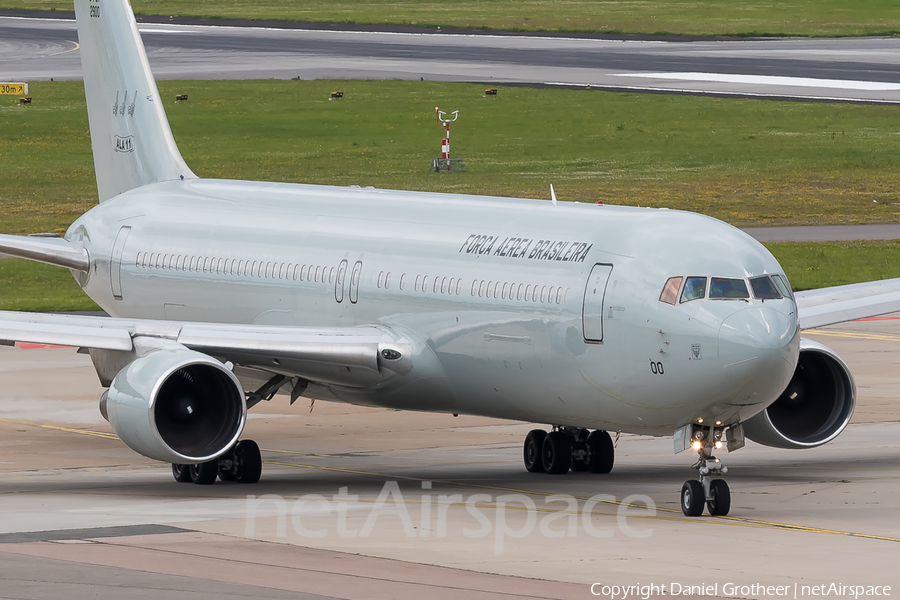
x: 815, y: 407
x: 177, y: 405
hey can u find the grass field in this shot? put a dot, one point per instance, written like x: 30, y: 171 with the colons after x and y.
x: 35, y: 287
x: 743, y: 161
x: 690, y: 17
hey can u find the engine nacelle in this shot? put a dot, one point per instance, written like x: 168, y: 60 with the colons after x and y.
x: 176, y: 405
x: 816, y: 406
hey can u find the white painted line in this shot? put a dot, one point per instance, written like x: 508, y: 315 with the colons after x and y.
x: 840, y: 84
x: 702, y: 92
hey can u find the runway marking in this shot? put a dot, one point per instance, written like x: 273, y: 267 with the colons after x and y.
x: 77, y: 46
x: 100, y: 434
x: 733, y: 521
x: 881, y: 337
x: 839, y: 84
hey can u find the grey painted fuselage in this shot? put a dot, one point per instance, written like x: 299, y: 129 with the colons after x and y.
x: 498, y: 293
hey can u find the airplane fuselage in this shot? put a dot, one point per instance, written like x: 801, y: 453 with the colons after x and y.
x: 532, y: 311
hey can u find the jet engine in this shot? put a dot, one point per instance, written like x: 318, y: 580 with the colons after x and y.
x: 814, y: 408
x: 176, y: 405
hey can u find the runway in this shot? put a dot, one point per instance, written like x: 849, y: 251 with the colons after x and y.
x: 848, y: 69
x: 72, y: 495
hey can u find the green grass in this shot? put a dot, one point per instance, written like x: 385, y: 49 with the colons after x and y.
x: 690, y: 17
x: 32, y: 286
x: 748, y: 162
x: 811, y: 266
x: 35, y: 287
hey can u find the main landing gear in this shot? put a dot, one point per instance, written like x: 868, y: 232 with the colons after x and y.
x: 568, y: 448
x: 243, y: 464
x: 708, y: 490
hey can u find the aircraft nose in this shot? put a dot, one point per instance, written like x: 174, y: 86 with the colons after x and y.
x: 758, y: 349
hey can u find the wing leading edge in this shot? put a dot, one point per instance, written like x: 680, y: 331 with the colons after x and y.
x: 842, y: 303
x: 353, y: 356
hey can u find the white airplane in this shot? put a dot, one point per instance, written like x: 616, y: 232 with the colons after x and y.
x: 587, y: 318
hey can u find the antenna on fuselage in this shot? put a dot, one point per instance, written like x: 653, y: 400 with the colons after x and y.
x: 552, y: 195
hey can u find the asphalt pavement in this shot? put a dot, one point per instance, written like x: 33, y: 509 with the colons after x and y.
x: 844, y: 69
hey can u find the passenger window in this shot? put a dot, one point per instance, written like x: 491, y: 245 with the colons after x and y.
x: 137, y: 260
x: 481, y: 288
x: 220, y: 268
x: 424, y: 282
x: 444, y: 285
x: 380, y: 277
x: 544, y: 294
x: 416, y: 283
x: 527, y: 292
x: 783, y: 287
x: 764, y: 288
x: 670, y: 290
x: 458, y: 286
x: 728, y: 289
x: 503, y: 292
x: 534, y: 294
x: 436, y: 285
x: 519, y: 291
x: 331, y: 275
x: 474, y: 286
x: 298, y: 272
x: 387, y: 280
x: 694, y: 289
x: 402, y: 281
x: 559, y: 292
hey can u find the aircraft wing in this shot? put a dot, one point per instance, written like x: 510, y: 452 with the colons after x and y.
x: 841, y: 303
x: 352, y: 356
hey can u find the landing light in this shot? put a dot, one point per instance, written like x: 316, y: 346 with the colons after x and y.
x: 699, y: 420
x: 697, y: 445
x: 718, y: 444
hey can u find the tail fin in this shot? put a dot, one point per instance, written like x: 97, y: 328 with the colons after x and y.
x: 130, y: 135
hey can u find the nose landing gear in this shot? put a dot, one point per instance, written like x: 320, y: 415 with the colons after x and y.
x: 709, y: 490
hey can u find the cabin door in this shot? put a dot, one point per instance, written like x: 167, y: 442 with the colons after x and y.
x: 592, y: 312
x: 115, y: 265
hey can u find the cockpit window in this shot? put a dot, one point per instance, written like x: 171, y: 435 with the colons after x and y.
x: 724, y: 288
x: 782, y: 285
x: 764, y: 288
x: 670, y: 290
x: 694, y: 289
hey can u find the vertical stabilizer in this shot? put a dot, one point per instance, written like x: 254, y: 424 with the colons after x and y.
x: 130, y: 135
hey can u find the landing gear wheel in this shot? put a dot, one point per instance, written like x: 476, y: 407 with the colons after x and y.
x: 692, y: 498
x: 181, y: 473
x: 534, y: 443
x: 226, y: 473
x: 204, y: 473
x: 556, y: 453
x: 601, y: 453
x: 247, y: 462
x: 580, y: 454
x: 720, y: 498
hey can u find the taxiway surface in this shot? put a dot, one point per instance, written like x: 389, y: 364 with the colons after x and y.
x: 72, y: 496
x: 850, y: 69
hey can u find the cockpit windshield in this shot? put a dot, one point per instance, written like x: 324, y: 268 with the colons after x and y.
x: 728, y: 289
x: 694, y: 289
x: 764, y: 288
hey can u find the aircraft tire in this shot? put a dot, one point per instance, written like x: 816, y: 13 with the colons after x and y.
x: 692, y: 498
x: 556, y: 453
x: 720, y: 503
x: 204, y: 473
x: 534, y: 443
x: 601, y: 453
x: 247, y: 461
x: 181, y: 473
